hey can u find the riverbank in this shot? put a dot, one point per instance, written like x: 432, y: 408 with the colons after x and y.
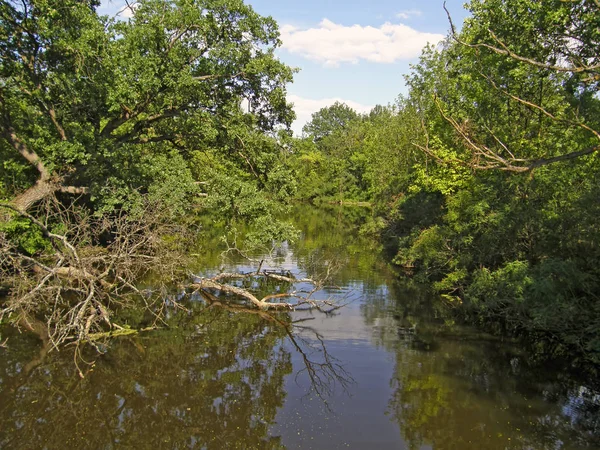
x: 391, y: 369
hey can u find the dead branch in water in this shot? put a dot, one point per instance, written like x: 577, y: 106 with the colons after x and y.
x: 289, y: 297
x: 71, y: 290
x: 88, y: 271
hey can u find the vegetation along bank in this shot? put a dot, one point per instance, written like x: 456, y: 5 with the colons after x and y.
x: 483, y: 179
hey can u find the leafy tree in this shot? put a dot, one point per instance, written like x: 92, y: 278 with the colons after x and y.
x: 85, y: 98
x: 142, y: 119
x: 328, y: 120
x: 509, y: 128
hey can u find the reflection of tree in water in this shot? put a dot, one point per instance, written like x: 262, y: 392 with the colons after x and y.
x: 329, y: 236
x: 322, y: 369
x: 213, y: 379
x: 459, y: 389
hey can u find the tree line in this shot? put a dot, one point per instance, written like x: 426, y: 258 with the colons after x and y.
x: 484, y: 178
x: 115, y: 133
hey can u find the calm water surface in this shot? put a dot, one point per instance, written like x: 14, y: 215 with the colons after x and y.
x: 389, y: 370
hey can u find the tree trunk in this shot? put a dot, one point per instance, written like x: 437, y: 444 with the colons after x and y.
x: 39, y: 191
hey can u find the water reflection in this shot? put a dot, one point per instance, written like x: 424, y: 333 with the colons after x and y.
x: 390, y: 370
x: 456, y: 388
x: 330, y: 236
x: 449, y: 387
x: 221, y: 383
x: 462, y: 396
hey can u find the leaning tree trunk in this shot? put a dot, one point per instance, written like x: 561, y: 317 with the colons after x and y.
x: 47, y: 183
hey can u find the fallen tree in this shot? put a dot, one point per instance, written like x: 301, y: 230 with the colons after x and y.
x: 77, y: 284
x: 296, y: 298
x: 75, y: 291
x: 108, y: 131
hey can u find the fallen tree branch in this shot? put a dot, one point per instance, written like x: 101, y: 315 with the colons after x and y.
x: 75, y: 292
x: 76, y: 289
x: 302, y: 299
x: 119, y: 332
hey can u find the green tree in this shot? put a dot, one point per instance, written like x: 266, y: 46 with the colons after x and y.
x: 328, y: 120
x: 509, y: 132
x: 143, y: 120
x: 84, y: 99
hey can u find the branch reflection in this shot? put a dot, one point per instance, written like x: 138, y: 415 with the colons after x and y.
x: 213, y: 379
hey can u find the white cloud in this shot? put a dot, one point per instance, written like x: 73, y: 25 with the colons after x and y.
x: 408, y: 13
x: 332, y: 44
x: 128, y: 10
x: 305, y: 107
x: 245, y: 105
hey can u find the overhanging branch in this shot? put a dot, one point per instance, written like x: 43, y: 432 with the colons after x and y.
x: 503, y: 49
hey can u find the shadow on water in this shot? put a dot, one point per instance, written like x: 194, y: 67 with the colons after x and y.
x: 455, y: 387
x: 214, y: 377
x: 390, y: 370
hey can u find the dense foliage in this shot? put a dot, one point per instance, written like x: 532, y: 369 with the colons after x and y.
x: 485, y: 178
x: 114, y: 130
x: 117, y: 109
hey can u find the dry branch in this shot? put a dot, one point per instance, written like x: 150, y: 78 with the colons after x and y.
x: 484, y: 157
x: 297, y: 299
x: 73, y: 293
x: 499, y: 156
x: 503, y: 49
x: 74, y: 290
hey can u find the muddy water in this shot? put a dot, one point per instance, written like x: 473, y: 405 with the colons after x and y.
x: 389, y: 370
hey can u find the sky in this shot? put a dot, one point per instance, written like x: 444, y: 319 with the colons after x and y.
x: 352, y: 51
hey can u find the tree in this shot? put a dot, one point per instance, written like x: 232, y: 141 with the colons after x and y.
x: 538, y: 76
x: 508, y: 113
x: 486, y: 175
x: 89, y: 102
x: 328, y: 120
x: 125, y: 113
x: 364, y: 158
x: 325, y: 154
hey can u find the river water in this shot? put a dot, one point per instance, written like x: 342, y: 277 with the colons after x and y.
x: 388, y: 370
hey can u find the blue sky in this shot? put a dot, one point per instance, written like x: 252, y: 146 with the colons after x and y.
x: 355, y: 51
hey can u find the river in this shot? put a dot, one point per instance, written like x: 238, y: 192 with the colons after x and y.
x: 390, y: 369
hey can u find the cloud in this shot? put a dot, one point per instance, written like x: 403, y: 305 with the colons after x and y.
x: 128, y: 10
x: 332, y: 44
x: 305, y: 107
x: 408, y: 13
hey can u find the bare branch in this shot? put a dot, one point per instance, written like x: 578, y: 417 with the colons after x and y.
x: 75, y: 190
x: 217, y: 76
x: 503, y: 49
x: 485, y: 158
x: 301, y: 297
x: 80, y: 285
x: 541, y: 109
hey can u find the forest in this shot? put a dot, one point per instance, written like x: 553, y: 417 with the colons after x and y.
x: 484, y: 178
x: 117, y: 135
